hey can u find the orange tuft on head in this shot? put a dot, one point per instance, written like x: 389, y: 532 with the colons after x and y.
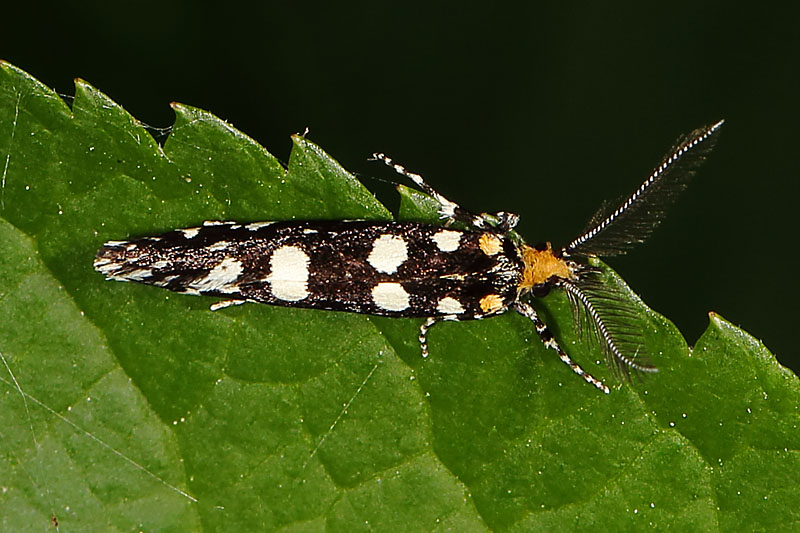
x: 541, y: 265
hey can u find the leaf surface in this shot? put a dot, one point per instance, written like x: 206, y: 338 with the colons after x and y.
x: 126, y: 406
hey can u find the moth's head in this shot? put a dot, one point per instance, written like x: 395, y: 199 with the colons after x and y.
x: 543, y: 268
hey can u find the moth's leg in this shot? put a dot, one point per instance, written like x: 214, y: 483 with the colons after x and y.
x: 423, y: 330
x: 423, y: 333
x: 547, y: 338
x: 451, y: 211
x: 226, y: 303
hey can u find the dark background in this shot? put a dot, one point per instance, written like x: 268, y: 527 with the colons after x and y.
x: 543, y: 110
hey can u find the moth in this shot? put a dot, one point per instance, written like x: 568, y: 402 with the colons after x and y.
x: 472, y: 266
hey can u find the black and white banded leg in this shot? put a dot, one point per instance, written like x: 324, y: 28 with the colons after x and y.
x: 547, y: 338
x: 423, y: 334
x: 428, y: 324
x: 451, y: 211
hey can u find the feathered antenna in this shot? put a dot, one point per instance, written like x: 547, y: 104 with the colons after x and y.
x: 634, y: 220
x: 602, y: 309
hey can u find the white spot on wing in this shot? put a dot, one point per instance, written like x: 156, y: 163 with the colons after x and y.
x: 447, y: 240
x: 388, y: 253
x: 258, y: 225
x: 390, y: 296
x: 190, y: 233
x: 217, y: 222
x: 219, y: 245
x: 288, y: 277
x: 450, y: 306
x: 221, y: 277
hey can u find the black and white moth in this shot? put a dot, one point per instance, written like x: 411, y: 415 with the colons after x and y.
x: 472, y: 267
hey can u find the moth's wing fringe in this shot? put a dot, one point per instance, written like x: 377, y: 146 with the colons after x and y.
x: 111, y: 260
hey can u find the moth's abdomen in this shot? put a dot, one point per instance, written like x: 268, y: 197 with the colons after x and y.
x: 389, y: 268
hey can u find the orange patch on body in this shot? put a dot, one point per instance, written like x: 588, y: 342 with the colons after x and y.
x: 490, y: 244
x: 541, y: 265
x: 491, y: 303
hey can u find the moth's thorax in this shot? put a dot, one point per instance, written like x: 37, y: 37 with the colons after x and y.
x: 539, y: 266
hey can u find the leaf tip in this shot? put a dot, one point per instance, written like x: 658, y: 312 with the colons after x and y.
x: 300, y: 140
x: 300, y: 136
x: 83, y: 85
x: 718, y: 321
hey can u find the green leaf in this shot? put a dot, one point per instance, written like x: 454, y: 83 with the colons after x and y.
x: 126, y: 406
